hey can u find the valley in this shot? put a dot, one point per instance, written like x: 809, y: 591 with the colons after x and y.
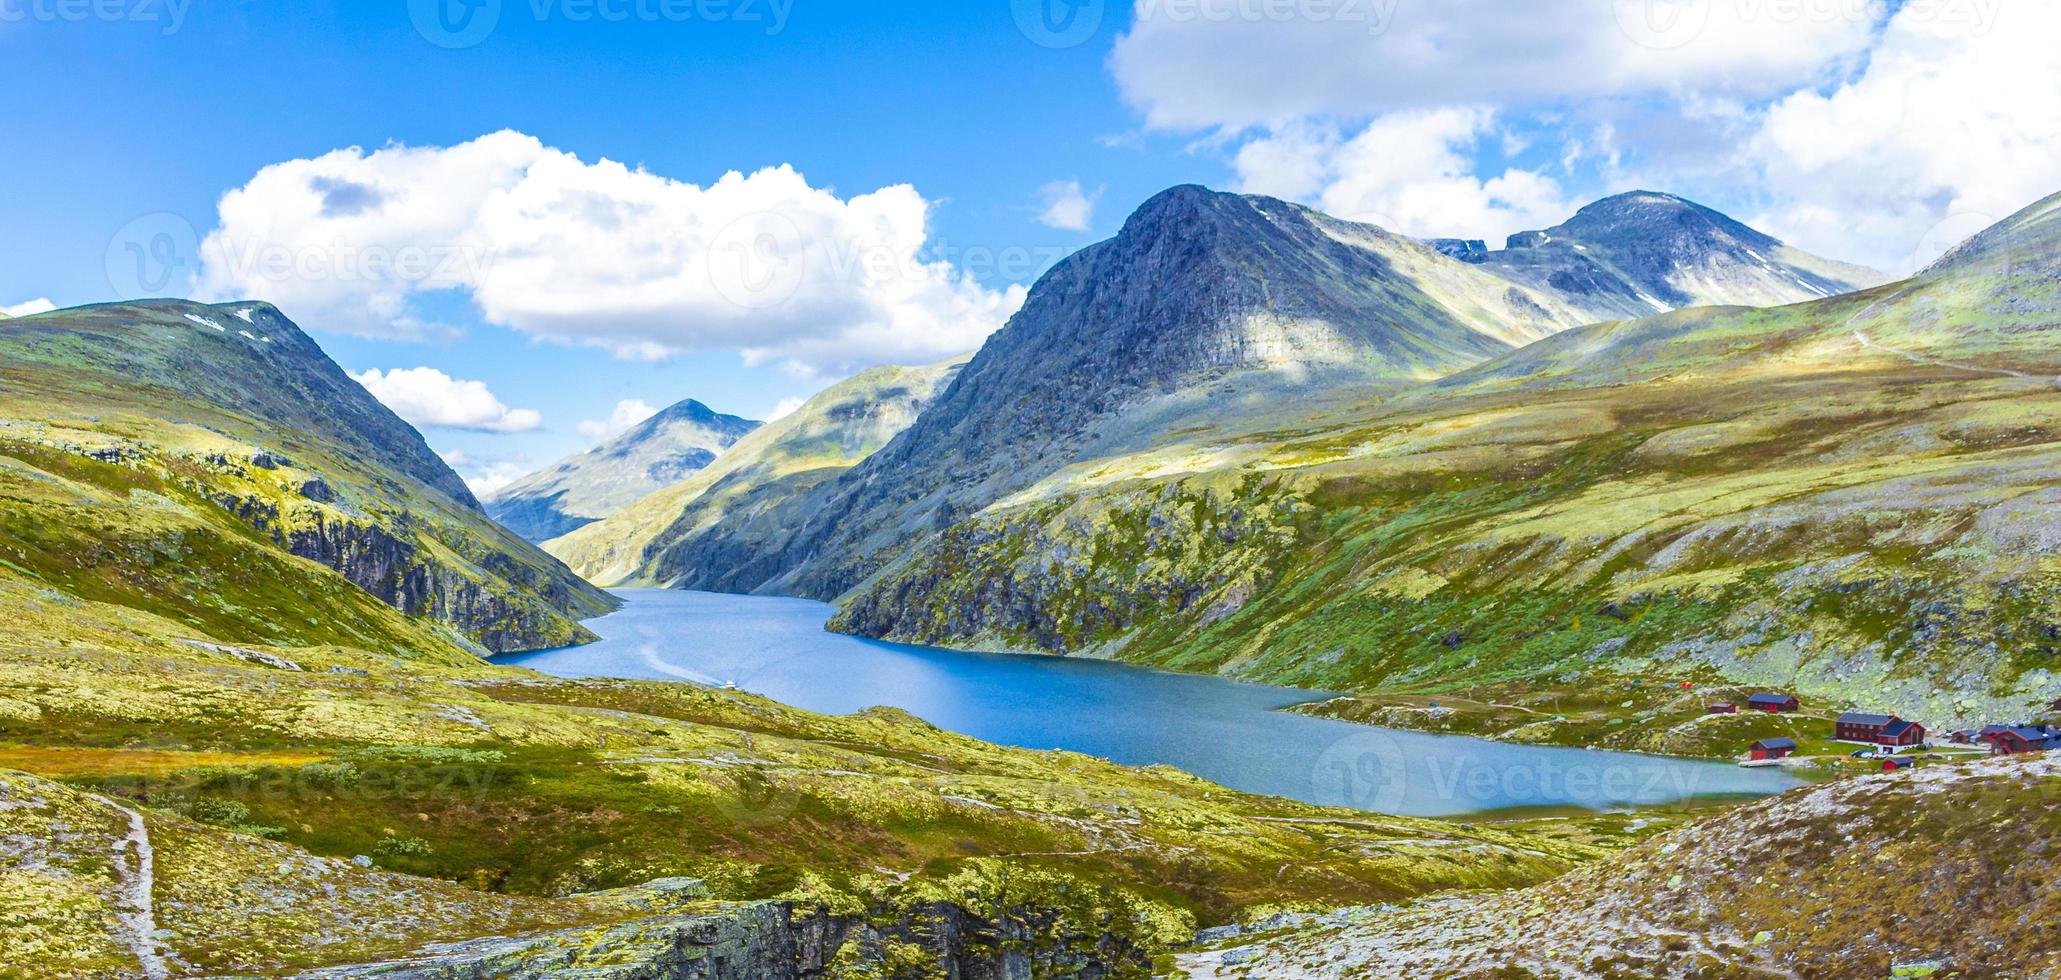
x: 280, y: 696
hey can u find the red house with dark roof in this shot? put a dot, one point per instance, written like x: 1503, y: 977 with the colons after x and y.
x: 1771, y: 748
x: 1774, y: 703
x: 1858, y: 726
x: 1900, y: 734
x: 2020, y: 739
x: 1888, y: 731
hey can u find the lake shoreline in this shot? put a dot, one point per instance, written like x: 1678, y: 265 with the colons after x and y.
x: 1240, y: 735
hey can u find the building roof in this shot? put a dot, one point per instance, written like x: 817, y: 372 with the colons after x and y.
x: 1775, y: 743
x: 1859, y: 718
x: 1900, y: 726
x: 1765, y: 698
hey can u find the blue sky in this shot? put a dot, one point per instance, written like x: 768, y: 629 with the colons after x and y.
x: 1864, y: 131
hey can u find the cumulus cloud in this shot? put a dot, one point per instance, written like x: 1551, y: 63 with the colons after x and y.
x: 787, y: 407
x: 1192, y: 64
x: 1066, y: 206
x: 30, y: 308
x: 485, y: 476
x: 1409, y: 172
x: 429, y: 398
x: 627, y: 413
x: 600, y: 254
x: 1952, y: 126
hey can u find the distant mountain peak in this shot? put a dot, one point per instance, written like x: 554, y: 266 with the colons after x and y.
x: 671, y: 445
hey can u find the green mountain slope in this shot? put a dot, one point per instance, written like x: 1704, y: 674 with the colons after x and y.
x: 654, y: 454
x: 212, y: 464
x: 708, y: 531
x: 1852, y: 497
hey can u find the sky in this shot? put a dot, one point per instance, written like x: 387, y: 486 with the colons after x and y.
x: 526, y: 224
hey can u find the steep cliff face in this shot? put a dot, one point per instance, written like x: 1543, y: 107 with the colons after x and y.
x: 654, y: 454
x: 191, y: 446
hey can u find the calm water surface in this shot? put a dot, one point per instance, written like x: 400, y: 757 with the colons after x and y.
x: 1227, y: 732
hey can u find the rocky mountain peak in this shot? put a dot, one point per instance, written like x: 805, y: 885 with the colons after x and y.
x: 654, y: 454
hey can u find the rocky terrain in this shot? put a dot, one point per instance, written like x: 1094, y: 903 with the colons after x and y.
x: 210, y: 463
x: 1847, y: 497
x: 652, y: 455
x: 1944, y: 872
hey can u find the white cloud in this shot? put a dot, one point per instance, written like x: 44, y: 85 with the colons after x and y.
x: 485, y: 476
x: 430, y: 398
x: 30, y: 308
x: 1954, y: 124
x: 787, y: 407
x: 1383, y: 111
x: 1066, y: 206
x: 1193, y: 64
x: 628, y: 412
x: 600, y: 254
x: 1409, y: 172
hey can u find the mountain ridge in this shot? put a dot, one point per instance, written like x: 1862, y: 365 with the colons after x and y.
x: 588, y: 486
x: 1210, y: 315
x: 244, y: 451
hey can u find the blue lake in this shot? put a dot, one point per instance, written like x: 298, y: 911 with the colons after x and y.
x: 1231, y: 733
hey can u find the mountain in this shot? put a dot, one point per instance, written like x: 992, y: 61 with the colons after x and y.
x: 1642, y: 253
x: 212, y: 464
x: 1849, y: 498
x: 654, y: 454
x: 1210, y: 318
x: 706, y: 531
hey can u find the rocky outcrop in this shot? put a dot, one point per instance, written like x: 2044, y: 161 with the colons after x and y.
x: 784, y: 940
x: 401, y: 574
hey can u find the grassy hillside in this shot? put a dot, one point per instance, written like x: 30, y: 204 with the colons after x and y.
x: 1850, y: 497
x: 1943, y: 872
x: 264, y: 770
x: 210, y: 464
